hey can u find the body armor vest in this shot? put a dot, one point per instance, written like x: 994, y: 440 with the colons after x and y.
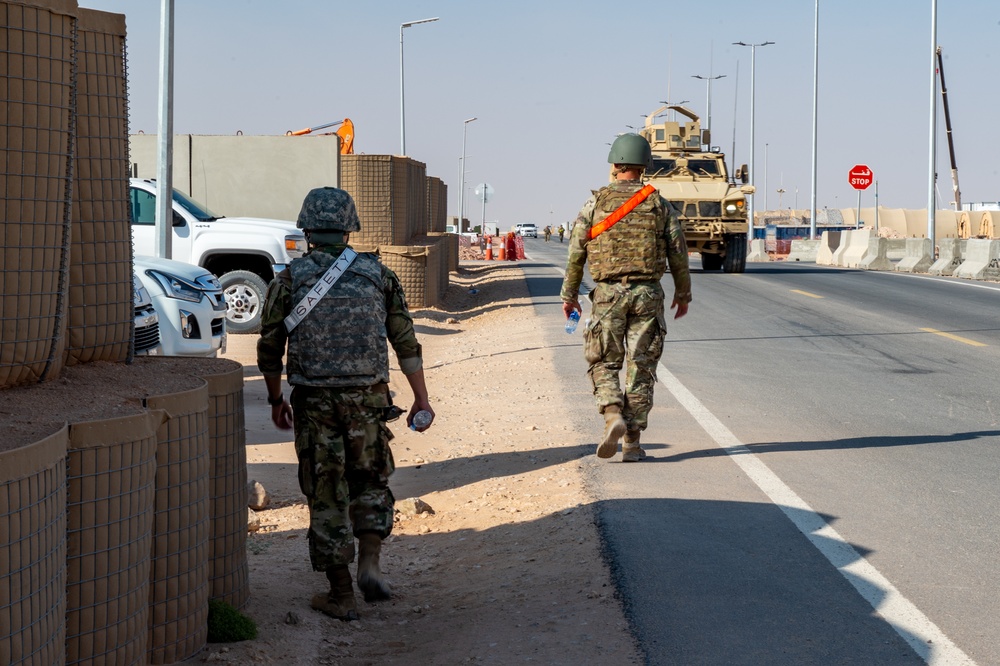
x: 342, y: 342
x: 635, y: 247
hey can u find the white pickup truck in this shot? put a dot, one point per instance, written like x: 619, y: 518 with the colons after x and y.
x: 245, y: 253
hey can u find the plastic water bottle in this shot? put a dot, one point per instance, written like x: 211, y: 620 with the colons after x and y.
x: 571, y: 323
x: 421, y: 420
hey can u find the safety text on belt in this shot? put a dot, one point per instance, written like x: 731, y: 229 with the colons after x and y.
x: 320, y: 289
x: 622, y: 211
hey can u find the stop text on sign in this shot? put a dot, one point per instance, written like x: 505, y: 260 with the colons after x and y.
x: 860, y: 177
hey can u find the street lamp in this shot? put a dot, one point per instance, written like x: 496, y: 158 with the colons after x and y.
x: 461, y: 179
x: 753, y: 173
x: 708, y: 102
x: 402, y: 105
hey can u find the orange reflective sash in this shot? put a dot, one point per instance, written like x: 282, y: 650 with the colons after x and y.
x: 625, y: 209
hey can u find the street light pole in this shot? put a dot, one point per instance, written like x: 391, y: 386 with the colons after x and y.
x: 461, y: 179
x: 708, y: 101
x: 402, y: 94
x: 753, y: 172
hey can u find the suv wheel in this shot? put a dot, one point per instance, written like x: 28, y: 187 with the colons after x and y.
x: 245, y: 293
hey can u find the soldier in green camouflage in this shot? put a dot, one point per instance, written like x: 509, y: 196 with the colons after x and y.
x: 629, y: 236
x: 336, y: 329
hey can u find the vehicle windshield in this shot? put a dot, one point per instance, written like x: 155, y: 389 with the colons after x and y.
x: 704, y: 167
x: 200, y: 212
x: 660, y: 166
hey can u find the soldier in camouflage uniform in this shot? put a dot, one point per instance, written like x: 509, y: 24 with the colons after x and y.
x: 338, y: 368
x: 627, y: 261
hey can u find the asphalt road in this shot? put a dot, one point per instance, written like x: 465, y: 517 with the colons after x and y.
x: 824, y: 469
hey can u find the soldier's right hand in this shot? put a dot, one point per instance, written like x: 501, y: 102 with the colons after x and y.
x: 281, y: 416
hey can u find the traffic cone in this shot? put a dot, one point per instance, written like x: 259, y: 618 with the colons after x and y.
x: 489, y: 248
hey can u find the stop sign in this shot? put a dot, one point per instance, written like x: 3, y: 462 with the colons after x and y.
x: 860, y: 176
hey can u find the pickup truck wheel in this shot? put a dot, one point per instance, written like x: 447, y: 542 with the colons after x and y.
x: 245, y: 293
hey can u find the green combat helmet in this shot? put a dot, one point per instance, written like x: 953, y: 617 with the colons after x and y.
x: 328, y: 209
x: 630, y: 149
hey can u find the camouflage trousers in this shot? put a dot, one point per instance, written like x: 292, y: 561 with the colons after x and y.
x: 626, y: 328
x: 345, y: 461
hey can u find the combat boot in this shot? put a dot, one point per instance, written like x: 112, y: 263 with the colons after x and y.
x: 339, y: 601
x: 614, y: 428
x: 370, y: 579
x: 631, y: 451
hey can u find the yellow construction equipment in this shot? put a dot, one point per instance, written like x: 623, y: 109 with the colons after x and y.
x: 345, y: 132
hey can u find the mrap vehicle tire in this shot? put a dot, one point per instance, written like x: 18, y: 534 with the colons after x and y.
x: 736, y: 253
x: 244, y: 293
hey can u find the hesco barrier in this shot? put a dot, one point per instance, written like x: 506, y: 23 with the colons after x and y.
x: 178, y: 600
x: 33, y: 552
x: 100, y: 270
x: 229, y: 573
x: 439, y: 267
x: 437, y: 205
x: 417, y: 267
x: 417, y: 195
x: 386, y: 202
x: 36, y: 121
x: 111, y: 475
x: 451, y: 248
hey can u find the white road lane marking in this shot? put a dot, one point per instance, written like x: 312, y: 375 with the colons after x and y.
x: 926, y: 639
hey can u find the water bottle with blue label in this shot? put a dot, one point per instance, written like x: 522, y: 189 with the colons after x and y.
x: 571, y: 323
x: 421, y: 420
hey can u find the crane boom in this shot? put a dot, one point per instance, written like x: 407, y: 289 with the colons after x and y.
x: 947, y: 124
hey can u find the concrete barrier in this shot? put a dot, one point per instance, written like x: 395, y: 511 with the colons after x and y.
x: 838, y: 254
x: 950, y: 256
x: 918, y: 256
x: 857, y: 249
x: 895, y: 248
x: 757, y: 252
x: 804, y: 250
x: 877, y: 256
x: 829, y: 241
x: 978, y: 254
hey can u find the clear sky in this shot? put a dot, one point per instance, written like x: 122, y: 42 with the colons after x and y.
x: 553, y: 83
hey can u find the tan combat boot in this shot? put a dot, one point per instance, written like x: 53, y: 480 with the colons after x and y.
x: 631, y: 451
x: 370, y: 579
x: 339, y: 601
x: 614, y: 428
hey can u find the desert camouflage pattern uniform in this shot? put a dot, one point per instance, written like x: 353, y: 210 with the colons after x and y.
x: 338, y: 368
x: 627, y: 324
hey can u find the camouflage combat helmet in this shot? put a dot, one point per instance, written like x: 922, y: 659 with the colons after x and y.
x: 630, y: 149
x: 328, y: 209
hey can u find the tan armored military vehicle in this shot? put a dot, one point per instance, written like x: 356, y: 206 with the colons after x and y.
x: 693, y: 177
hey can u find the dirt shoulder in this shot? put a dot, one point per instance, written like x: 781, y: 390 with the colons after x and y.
x: 507, y: 569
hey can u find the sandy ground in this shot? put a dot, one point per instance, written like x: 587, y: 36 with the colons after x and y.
x: 507, y: 569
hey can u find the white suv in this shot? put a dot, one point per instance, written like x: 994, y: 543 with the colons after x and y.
x: 527, y: 230
x: 190, y: 304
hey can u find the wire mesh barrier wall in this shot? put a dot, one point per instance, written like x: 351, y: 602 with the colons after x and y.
x: 111, y: 477
x: 379, y: 185
x: 229, y: 574
x: 36, y: 133
x: 416, y: 184
x: 100, y: 277
x: 417, y: 268
x: 178, y: 624
x: 437, y: 204
x: 33, y: 552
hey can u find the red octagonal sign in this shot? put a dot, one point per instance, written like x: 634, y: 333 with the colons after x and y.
x: 860, y: 177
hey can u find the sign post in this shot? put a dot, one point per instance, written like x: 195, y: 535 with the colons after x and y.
x: 860, y: 177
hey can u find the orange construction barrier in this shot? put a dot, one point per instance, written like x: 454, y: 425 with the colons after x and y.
x: 511, y: 248
x: 489, y: 248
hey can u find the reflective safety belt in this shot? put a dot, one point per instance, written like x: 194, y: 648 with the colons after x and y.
x: 320, y: 289
x: 623, y: 210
